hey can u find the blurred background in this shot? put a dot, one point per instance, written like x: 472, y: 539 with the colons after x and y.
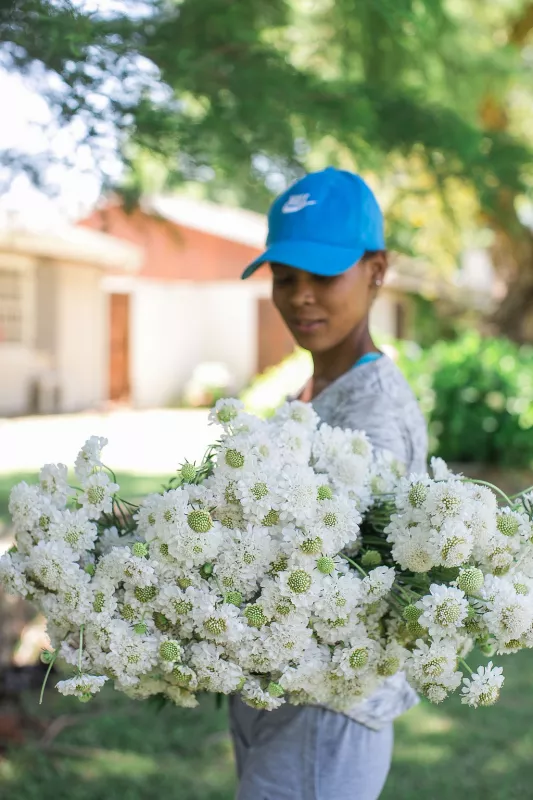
x: 140, y: 146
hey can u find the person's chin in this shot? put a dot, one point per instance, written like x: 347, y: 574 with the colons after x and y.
x: 315, y: 341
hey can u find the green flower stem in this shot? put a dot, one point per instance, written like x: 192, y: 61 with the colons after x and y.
x: 490, y: 486
x: 350, y: 561
x: 48, y: 671
x: 465, y: 665
x: 110, y: 472
x: 80, y: 652
x: 521, y: 494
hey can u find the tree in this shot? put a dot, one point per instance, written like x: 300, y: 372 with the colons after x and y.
x: 248, y: 95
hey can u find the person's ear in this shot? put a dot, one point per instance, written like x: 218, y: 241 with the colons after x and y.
x: 378, y: 268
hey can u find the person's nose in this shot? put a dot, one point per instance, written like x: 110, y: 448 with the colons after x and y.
x: 302, y: 292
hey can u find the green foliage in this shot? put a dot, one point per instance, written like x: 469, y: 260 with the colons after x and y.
x: 478, y: 396
x: 242, y: 95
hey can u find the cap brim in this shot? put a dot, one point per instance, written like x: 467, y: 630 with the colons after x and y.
x: 319, y: 259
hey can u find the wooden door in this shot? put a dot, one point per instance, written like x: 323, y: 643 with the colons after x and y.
x: 119, y: 343
x: 274, y: 342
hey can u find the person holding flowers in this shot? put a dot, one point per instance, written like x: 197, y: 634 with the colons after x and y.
x: 327, y: 254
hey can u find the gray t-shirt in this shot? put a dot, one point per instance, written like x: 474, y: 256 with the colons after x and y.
x: 375, y: 398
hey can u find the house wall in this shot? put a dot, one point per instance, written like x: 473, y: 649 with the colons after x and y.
x: 174, y: 252
x: 82, y: 338
x: 18, y: 360
x: 176, y: 326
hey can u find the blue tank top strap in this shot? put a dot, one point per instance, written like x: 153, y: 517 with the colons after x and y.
x: 366, y: 359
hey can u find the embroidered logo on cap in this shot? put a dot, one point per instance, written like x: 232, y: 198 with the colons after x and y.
x: 297, y: 202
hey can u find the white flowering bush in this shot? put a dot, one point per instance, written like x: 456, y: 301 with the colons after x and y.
x: 292, y: 565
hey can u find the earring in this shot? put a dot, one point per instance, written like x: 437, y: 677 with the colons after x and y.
x: 378, y: 282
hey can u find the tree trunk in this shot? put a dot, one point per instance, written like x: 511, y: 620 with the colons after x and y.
x: 512, y: 255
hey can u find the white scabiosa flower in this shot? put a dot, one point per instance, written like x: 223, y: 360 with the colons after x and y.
x: 74, y: 529
x: 440, y: 470
x: 452, y: 544
x: 483, y: 688
x: 53, y: 564
x: 226, y: 412
x: 298, y: 488
x: 444, y: 610
x: 13, y: 574
x: 513, y: 523
x: 509, y: 614
x: 413, y: 550
x: 447, y: 500
x: 97, y: 496
x: 88, y: 459
x: 216, y: 672
x: 255, y: 696
x: 301, y: 413
x: 257, y: 494
x: 429, y: 663
x: 336, y: 523
x: 377, y: 584
x: 53, y: 482
x: 82, y: 686
x: 294, y: 442
x: 31, y: 511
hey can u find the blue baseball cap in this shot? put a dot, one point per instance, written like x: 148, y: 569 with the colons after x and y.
x: 323, y: 224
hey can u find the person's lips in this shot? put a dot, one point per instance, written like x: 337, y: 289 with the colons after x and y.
x: 307, y: 325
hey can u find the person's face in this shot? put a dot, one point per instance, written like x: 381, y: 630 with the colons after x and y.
x: 322, y: 312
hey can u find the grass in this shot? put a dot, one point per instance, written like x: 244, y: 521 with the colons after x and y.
x: 116, y: 749
x: 122, y: 750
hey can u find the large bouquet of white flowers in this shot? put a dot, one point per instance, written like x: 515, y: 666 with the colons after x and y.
x: 292, y: 564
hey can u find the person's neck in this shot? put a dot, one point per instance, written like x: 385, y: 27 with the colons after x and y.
x: 329, y: 366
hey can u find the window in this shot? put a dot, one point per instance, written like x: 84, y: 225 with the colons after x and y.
x: 11, y: 305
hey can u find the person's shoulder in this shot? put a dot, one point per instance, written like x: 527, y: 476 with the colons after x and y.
x: 381, y: 378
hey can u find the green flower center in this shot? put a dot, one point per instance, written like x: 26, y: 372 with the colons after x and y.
x: 259, y: 490
x: 312, y: 547
x: 215, y: 625
x: 145, y: 594
x: 99, y: 601
x: 234, y: 459
x: 299, y: 581
x: 169, y: 651
x: 272, y: 518
x: 417, y: 494
x: 325, y: 565
x: 200, y: 521
x: 325, y: 493
x: 448, y: 612
x: 255, y: 616
x: 95, y: 495
x: 358, y: 657
x: 507, y: 524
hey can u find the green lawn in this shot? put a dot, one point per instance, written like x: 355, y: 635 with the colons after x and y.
x: 115, y: 749
x: 121, y: 750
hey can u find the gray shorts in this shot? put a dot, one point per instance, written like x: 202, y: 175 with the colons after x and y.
x: 307, y: 753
